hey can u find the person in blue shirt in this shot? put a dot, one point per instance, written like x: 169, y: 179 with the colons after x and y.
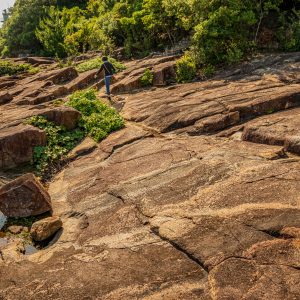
x: 109, y: 71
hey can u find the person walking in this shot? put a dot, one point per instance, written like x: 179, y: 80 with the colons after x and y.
x: 109, y: 71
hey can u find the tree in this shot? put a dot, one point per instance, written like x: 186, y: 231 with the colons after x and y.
x: 18, y: 31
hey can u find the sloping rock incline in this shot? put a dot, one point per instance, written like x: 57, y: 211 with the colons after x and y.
x: 196, y: 198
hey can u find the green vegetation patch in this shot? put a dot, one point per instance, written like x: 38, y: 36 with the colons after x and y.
x: 10, y: 68
x: 147, y: 78
x: 95, y: 63
x: 186, y: 69
x: 59, y: 143
x: 98, y: 119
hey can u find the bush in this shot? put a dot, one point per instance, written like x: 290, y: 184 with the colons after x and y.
x: 59, y: 143
x: 208, y: 71
x: 95, y: 63
x: 147, y: 78
x: 98, y: 119
x: 186, y: 69
x: 10, y: 68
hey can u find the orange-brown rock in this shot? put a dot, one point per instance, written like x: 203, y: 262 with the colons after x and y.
x: 63, y: 116
x: 17, y: 144
x: 24, y: 197
x: 277, y: 129
x: 177, y: 205
x: 45, y: 228
x: 5, y: 97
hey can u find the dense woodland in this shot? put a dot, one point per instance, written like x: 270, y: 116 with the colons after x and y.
x: 218, y: 31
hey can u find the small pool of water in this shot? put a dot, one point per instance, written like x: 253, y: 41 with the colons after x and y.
x: 2, y: 220
x: 29, y: 249
x: 3, y: 242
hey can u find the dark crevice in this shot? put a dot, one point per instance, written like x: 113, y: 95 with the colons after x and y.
x: 155, y: 230
x: 114, y: 194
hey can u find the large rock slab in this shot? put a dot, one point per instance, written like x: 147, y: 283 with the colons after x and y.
x: 277, y: 129
x: 24, y: 197
x: 17, y: 144
x: 208, y: 107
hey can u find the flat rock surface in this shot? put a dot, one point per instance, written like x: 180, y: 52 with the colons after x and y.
x: 171, y: 207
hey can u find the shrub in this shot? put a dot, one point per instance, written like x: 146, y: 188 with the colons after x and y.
x: 95, y: 63
x: 98, y: 119
x: 147, y: 78
x: 10, y: 68
x: 208, y: 71
x: 59, y: 143
x: 186, y: 69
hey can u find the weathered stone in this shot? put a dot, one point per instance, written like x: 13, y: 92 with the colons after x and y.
x: 185, y: 107
x: 45, y: 228
x: 290, y: 232
x: 83, y: 81
x: 17, y: 144
x: 85, y: 147
x: 164, y: 74
x: 237, y: 278
x: 60, y: 76
x: 277, y: 129
x: 63, y: 116
x: 5, y: 97
x: 15, y: 229
x: 24, y: 197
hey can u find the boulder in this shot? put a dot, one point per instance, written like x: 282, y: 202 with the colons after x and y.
x: 5, y: 97
x: 63, y: 116
x: 24, y: 197
x: 44, y: 229
x: 17, y: 144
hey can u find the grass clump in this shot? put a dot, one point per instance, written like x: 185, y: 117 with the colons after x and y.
x: 10, y: 68
x: 147, y: 78
x: 98, y: 119
x: 186, y: 69
x: 95, y: 63
x: 59, y: 143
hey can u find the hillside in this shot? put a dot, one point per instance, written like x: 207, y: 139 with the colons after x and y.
x: 197, y: 197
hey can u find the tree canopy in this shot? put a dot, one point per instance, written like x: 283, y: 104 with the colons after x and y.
x: 220, y: 31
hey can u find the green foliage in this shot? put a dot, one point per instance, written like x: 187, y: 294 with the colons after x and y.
x: 63, y: 32
x: 208, y: 71
x: 186, y: 69
x: 98, y: 119
x: 18, y: 32
x: 221, y: 31
x: 10, y: 68
x: 95, y: 63
x: 59, y: 143
x: 147, y: 78
x: 25, y: 222
x: 289, y: 31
